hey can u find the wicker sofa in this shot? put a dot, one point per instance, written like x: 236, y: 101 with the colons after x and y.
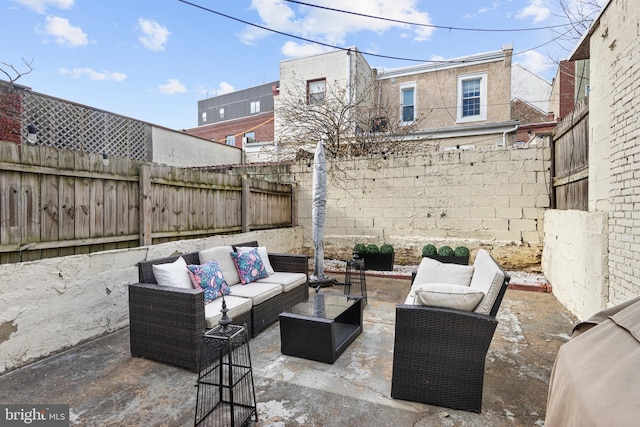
x: 166, y: 323
x: 439, y: 351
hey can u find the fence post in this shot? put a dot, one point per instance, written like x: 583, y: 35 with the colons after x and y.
x: 146, y: 215
x: 246, y: 191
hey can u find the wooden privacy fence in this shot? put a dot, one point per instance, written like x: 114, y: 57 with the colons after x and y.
x: 570, y: 159
x: 56, y: 202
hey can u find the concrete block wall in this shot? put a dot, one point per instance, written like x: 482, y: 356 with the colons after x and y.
x: 56, y: 303
x: 489, y: 197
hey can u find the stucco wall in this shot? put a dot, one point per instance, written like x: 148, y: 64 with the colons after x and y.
x: 53, y: 304
x: 575, y: 259
x: 183, y: 150
x: 437, y: 91
x: 494, y: 198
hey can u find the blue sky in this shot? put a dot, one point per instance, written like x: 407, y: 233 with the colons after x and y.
x: 153, y: 60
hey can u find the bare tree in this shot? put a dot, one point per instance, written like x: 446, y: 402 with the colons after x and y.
x: 579, y: 15
x: 13, y: 73
x: 351, y: 120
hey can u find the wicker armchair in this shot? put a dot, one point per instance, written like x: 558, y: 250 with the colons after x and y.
x: 439, y: 354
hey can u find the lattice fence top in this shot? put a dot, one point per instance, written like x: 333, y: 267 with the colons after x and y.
x: 72, y: 126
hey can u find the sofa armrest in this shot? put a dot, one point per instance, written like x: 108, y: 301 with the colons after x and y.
x: 166, y: 323
x: 289, y: 263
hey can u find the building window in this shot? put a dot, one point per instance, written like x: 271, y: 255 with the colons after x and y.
x: 204, y: 117
x: 379, y: 124
x: 255, y: 107
x: 472, y: 97
x: 250, y: 137
x: 230, y: 140
x: 221, y: 112
x: 408, y: 102
x: 316, y: 90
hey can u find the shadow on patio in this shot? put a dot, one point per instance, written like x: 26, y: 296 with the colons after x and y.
x: 105, y: 386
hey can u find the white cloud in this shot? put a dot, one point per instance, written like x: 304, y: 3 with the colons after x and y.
x: 534, y: 61
x: 537, y: 9
x: 63, y: 32
x: 224, y: 88
x: 334, y: 28
x: 41, y: 6
x: 94, y: 75
x: 154, y: 36
x: 172, y: 87
x: 297, y: 50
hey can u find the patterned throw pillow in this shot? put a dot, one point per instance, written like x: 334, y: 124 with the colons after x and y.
x: 209, y: 278
x: 249, y: 265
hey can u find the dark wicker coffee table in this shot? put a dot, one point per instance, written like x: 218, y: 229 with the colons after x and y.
x: 322, y: 328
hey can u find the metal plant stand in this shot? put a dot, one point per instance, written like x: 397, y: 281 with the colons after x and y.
x: 226, y: 393
x: 355, y: 276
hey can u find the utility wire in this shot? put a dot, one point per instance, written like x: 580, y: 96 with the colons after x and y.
x: 398, y: 58
x: 417, y: 24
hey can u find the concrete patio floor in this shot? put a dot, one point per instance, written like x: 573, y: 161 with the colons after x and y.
x: 105, y: 386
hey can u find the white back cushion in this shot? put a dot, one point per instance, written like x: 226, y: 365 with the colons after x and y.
x: 433, y: 271
x: 222, y: 255
x: 488, y: 278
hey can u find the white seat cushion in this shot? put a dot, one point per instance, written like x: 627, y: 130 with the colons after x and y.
x: 235, y: 305
x: 222, y: 255
x: 287, y: 280
x: 434, y: 271
x: 256, y: 291
x: 459, y: 297
x: 488, y: 277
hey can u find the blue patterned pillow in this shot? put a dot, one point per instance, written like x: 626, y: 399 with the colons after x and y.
x: 209, y: 278
x: 249, y: 265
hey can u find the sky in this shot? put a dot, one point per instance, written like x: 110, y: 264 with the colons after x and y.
x: 153, y: 60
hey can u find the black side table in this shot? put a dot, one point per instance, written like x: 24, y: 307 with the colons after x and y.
x: 354, y: 275
x: 226, y: 393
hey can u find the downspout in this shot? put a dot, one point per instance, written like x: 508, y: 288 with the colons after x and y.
x: 504, y: 134
x: 348, y: 76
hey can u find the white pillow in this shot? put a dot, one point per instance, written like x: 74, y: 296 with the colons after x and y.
x: 434, y: 271
x: 222, y: 255
x: 173, y: 274
x: 264, y: 256
x: 459, y: 297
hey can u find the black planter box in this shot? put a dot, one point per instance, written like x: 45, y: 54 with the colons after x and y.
x: 462, y: 260
x: 379, y: 262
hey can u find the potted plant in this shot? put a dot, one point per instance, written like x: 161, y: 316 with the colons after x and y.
x: 459, y: 255
x: 376, y: 258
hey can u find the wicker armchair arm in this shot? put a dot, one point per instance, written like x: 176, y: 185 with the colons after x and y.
x: 290, y: 263
x: 166, y: 323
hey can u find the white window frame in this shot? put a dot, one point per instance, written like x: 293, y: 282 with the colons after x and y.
x: 204, y: 117
x: 250, y: 137
x: 230, y: 140
x: 255, y: 107
x: 221, y: 112
x: 483, y: 97
x: 315, y: 96
x: 403, y: 88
